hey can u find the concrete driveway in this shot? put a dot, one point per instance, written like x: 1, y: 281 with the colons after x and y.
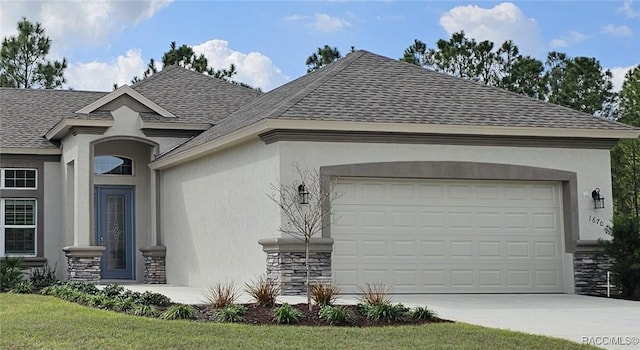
x: 607, y: 323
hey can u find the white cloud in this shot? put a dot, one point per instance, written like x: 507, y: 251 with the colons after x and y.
x: 572, y: 37
x: 577, y: 37
x: 95, y: 76
x: 614, y: 30
x: 556, y: 43
x: 498, y: 24
x: 323, y: 22
x: 296, y: 17
x: 628, y: 10
x: 618, y: 74
x: 253, y: 68
x: 326, y: 23
x: 76, y: 22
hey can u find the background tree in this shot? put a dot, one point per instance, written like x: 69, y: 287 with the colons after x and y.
x: 322, y: 57
x: 305, y: 219
x: 625, y: 156
x: 415, y: 54
x: 184, y: 56
x: 579, y: 83
x: 23, y: 61
x: 463, y: 57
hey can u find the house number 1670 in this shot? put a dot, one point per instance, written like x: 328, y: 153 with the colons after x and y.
x: 596, y: 221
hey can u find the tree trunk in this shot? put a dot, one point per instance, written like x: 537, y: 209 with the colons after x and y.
x: 307, y: 242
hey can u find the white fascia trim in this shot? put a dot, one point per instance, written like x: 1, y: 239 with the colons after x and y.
x: 265, y: 125
x: 175, y: 126
x: 212, y: 146
x: 125, y: 89
x: 30, y: 151
x: 63, y: 126
x: 451, y: 129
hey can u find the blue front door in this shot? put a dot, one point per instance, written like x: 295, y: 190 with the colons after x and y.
x: 115, y: 230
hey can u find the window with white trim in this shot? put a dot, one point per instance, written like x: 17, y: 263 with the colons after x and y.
x: 18, y: 226
x: 17, y: 178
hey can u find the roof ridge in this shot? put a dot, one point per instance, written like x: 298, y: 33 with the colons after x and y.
x: 153, y: 76
x: 331, y: 70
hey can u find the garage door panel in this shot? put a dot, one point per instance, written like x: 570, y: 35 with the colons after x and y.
x: 403, y: 249
x: 448, y: 236
x: 489, y: 249
x: 374, y: 249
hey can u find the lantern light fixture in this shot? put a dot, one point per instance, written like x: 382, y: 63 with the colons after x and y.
x: 303, y: 194
x: 598, y: 200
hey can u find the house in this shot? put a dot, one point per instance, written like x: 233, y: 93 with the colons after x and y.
x: 448, y: 186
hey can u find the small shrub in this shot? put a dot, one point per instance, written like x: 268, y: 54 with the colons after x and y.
x: 129, y: 294
x: 335, y: 314
x: 145, y: 310
x: 112, y: 290
x: 42, y: 277
x: 123, y: 305
x: 97, y: 300
x: 387, y: 312
x: 230, y: 313
x: 363, y: 308
x: 85, y: 287
x: 179, y: 312
x: 287, y: 314
x: 76, y: 296
x: 11, y: 271
x: 221, y: 295
x: 58, y: 290
x: 423, y: 313
x: 375, y: 294
x: 263, y: 291
x: 624, y: 249
x: 22, y: 288
x: 50, y: 290
x: 324, y: 294
x: 150, y: 298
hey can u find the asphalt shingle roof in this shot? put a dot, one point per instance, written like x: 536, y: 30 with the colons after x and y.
x: 365, y: 87
x: 26, y: 114
x: 192, y: 96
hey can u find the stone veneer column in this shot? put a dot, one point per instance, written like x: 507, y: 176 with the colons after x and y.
x: 286, y: 263
x: 590, y: 266
x: 83, y: 263
x: 155, y: 271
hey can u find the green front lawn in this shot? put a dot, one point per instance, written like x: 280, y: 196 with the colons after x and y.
x: 39, y: 322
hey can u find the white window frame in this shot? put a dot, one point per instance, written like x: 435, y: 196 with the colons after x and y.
x: 3, y: 226
x: 3, y: 177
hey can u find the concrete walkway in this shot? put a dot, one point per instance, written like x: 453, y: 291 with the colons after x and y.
x: 583, y: 319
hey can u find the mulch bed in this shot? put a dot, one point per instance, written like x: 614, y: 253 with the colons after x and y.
x: 259, y: 315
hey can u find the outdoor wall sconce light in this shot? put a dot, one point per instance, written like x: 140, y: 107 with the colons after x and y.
x: 598, y: 200
x: 303, y: 194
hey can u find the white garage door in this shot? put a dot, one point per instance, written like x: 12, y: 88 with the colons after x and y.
x: 442, y: 236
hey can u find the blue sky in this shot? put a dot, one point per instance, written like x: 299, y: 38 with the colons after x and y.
x: 111, y: 41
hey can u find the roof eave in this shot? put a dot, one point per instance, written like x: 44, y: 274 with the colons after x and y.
x: 30, y: 151
x: 265, y: 125
x: 173, y: 126
x: 62, y: 128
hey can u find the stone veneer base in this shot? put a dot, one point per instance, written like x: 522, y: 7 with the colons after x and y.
x: 590, y: 266
x: 155, y: 271
x: 286, y: 264
x: 83, y: 263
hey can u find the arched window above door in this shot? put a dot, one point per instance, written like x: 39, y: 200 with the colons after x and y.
x: 112, y: 165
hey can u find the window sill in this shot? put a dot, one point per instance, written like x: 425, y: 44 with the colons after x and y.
x: 29, y: 261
